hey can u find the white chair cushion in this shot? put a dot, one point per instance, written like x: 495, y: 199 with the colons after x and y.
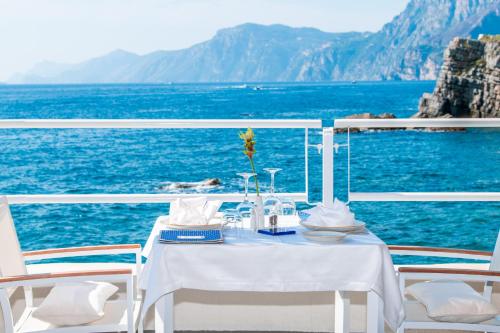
x: 452, y: 301
x: 72, y: 304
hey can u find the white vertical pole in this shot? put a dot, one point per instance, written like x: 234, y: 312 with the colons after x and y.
x: 130, y: 304
x: 328, y: 166
x: 28, y: 295
x: 348, y: 164
x: 8, y: 320
x: 160, y: 315
x: 375, y: 313
x: 164, y: 314
x: 342, y: 313
x: 306, y: 158
x: 138, y: 265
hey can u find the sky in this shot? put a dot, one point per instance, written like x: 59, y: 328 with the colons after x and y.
x: 71, y: 31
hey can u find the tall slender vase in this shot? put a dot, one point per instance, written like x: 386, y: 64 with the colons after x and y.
x: 257, y: 220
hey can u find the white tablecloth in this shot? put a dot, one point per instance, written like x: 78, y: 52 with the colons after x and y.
x: 259, y: 263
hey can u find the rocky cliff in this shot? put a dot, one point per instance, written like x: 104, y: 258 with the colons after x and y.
x: 469, y: 82
x: 411, y: 45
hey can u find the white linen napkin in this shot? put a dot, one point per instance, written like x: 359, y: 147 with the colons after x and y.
x: 337, y: 216
x: 193, y: 211
x: 211, y: 208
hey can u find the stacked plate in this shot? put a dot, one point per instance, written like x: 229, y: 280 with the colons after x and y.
x: 358, y: 226
x: 324, y: 236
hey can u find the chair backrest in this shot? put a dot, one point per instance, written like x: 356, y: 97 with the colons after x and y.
x: 11, y: 257
x: 495, y: 259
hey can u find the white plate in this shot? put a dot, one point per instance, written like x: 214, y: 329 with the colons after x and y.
x: 357, y: 227
x: 216, y: 223
x: 324, y: 236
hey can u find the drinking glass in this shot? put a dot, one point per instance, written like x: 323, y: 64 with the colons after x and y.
x: 288, y: 206
x: 232, y: 216
x: 272, y: 204
x: 245, y: 207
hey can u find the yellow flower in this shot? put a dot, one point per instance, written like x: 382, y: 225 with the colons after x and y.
x: 248, y: 142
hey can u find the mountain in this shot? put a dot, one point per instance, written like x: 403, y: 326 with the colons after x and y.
x: 248, y: 52
x: 41, y: 72
x: 410, y: 47
x: 110, y: 68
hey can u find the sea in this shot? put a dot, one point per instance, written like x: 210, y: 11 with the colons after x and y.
x: 72, y: 161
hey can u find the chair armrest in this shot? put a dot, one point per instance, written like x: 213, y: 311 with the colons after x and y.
x: 425, y: 251
x: 455, y: 273
x: 83, y: 251
x: 45, y: 279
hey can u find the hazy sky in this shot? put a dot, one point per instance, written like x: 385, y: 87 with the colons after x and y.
x: 70, y: 31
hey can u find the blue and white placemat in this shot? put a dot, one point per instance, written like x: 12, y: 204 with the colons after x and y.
x: 191, y: 236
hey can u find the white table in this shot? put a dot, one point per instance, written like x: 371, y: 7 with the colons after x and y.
x: 248, y: 261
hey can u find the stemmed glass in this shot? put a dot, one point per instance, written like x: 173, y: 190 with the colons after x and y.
x: 245, y: 207
x: 232, y: 216
x: 272, y: 204
x: 288, y: 206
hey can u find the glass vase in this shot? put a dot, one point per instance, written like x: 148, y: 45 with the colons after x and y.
x: 257, y: 220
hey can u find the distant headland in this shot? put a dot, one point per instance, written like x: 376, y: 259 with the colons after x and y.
x: 410, y: 47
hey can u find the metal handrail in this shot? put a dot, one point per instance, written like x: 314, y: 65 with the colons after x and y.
x: 328, y: 145
x: 425, y: 196
x: 159, y: 123
x: 417, y: 123
x: 304, y: 124
x: 20, y: 199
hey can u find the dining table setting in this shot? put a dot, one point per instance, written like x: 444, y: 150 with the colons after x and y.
x: 267, y: 245
x: 323, y: 249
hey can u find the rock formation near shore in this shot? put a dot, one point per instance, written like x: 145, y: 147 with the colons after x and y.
x: 387, y: 115
x: 469, y: 82
x: 199, y: 186
x: 367, y: 115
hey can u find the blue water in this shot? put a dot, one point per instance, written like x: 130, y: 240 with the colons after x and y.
x: 147, y: 161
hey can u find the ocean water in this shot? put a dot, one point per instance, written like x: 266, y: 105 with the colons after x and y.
x: 37, y: 161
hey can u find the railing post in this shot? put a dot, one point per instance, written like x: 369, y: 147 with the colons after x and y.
x: 327, y: 166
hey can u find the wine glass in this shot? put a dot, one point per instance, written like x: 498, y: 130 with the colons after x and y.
x: 245, y: 207
x: 288, y: 206
x: 232, y: 216
x: 272, y: 204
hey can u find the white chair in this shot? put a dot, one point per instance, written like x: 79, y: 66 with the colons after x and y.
x: 416, y: 315
x: 121, y: 313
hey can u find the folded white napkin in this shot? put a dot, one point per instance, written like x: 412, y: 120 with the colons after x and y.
x: 193, y: 211
x: 337, y: 216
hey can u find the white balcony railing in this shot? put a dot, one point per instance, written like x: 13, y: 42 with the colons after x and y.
x: 100, y: 198
x: 328, y: 148
x: 129, y: 198
x: 160, y: 123
x: 415, y: 123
